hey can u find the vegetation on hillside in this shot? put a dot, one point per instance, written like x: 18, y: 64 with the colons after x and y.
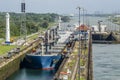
x: 65, y: 19
x: 34, y: 22
x: 115, y: 20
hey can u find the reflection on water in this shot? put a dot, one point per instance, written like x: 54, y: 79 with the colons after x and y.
x: 30, y: 74
x: 106, y: 59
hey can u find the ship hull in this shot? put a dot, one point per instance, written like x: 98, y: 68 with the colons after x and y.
x: 45, y: 62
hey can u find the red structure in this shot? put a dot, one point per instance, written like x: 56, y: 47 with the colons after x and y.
x: 83, y: 27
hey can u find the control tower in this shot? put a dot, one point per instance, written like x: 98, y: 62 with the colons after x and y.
x: 23, y: 30
x: 7, y: 41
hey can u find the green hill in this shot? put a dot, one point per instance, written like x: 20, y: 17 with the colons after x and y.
x: 34, y: 22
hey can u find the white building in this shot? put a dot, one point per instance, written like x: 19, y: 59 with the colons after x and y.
x: 95, y: 28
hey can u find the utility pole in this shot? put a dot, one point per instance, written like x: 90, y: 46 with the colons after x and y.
x: 79, y: 45
x: 85, y: 24
x: 23, y: 30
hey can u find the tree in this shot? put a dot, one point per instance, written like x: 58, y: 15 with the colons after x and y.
x: 65, y: 19
x: 45, y: 24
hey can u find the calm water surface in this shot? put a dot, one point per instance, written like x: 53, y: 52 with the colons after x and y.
x: 106, y: 59
x: 30, y: 74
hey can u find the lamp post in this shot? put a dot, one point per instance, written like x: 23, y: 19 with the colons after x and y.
x: 79, y: 45
x: 84, y: 24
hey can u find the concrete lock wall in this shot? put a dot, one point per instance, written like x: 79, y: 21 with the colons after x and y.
x: 9, y: 66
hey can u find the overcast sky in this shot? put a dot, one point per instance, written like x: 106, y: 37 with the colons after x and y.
x: 61, y: 6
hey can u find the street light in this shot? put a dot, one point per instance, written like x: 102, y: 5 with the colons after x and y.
x: 84, y: 24
x: 79, y: 45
